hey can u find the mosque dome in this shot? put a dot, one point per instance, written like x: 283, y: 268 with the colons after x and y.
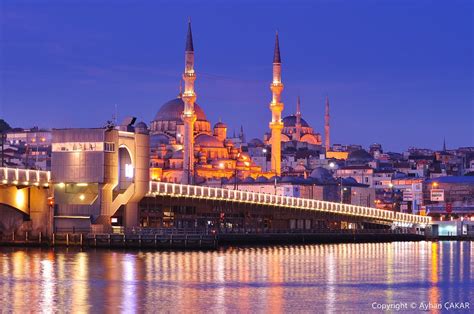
x: 220, y: 125
x: 322, y: 174
x: 205, y: 140
x: 290, y: 121
x: 141, y: 127
x: 256, y: 143
x: 172, y: 110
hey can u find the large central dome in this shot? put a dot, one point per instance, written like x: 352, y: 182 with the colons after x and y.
x: 290, y: 121
x: 173, y: 109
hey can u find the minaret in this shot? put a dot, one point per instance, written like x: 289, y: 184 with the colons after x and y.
x: 444, y: 144
x: 276, y: 106
x: 326, y: 126
x: 188, y: 116
x: 298, y: 119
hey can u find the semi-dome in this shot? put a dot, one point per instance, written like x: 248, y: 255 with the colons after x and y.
x: 159, y: 139
x: 205, y: 140
x: 173, y: 109
x: 178, y: 154
x: 290, y: 121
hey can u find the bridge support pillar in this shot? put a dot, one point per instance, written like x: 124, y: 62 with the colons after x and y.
x: 131, y: 215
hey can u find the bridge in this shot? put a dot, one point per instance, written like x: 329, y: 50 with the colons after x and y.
x: 24, y: 177
x: 27, y: 191
x: 24, y: 199
x: 245, y: 197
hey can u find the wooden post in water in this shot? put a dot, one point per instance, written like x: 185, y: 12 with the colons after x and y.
x: 67, y: 239
x: 53, y: 239
x: 155, y: 240
x: 95, y: 240
x: 13, y: 236
x: 26, y: 236
x: 80, y: 239
x: 39, y: 238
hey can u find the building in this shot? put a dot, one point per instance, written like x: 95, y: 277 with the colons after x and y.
x: 362, y: 174
x: 28, y: 148
x: 98, y: 172
x: 450, y: 197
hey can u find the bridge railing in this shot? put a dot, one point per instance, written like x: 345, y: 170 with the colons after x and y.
x: 18, y: 176
x: 192, y: 191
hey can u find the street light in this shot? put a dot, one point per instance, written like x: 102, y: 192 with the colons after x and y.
x: 264, y: 151
x: 342, y: 190
x: 221, y: 166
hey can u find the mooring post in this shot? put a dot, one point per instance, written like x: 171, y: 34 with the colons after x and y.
x: 109, y: 239
x: 53, y: 239
x: 80, y: 239
x: 26, y: 236
x: 95, y: 240
x: 67, y: 239
x: 39, y: 238
x: 155, y: 240
x: 13, y: 236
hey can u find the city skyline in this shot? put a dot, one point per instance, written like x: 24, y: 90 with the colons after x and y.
x: 381, y: 94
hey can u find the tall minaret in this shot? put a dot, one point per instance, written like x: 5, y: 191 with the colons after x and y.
x: 326, y: 126
x: 298, y: 119
x: 276, y: 106
x: 188, y: 116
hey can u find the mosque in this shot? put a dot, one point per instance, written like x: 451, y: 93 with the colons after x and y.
x: 185, y: 149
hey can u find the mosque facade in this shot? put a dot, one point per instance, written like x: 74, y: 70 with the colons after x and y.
x: 185, y: 148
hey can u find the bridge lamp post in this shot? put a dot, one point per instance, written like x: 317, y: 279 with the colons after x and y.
x: 221, y: 166
x: 264, y: 151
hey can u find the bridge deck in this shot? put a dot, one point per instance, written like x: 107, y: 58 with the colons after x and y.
x: 211, y: 193
x: 13, y: 176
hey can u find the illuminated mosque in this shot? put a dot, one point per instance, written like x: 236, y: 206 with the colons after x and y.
x: 185, y: 149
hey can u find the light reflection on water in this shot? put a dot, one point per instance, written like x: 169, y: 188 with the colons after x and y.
x: 315, y: 278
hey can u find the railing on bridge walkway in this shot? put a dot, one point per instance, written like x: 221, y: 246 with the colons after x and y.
x: 15, y: 176
x: 239, y: 196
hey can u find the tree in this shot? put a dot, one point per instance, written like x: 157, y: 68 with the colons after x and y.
x: 4, y: 126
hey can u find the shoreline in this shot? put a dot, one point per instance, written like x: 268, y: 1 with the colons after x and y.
x: 215, y: 242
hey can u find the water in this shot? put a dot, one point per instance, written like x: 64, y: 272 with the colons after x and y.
x: 309, y: 278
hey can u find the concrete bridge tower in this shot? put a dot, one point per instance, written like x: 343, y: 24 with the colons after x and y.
x: 188, y: 116
x: 276, y: 107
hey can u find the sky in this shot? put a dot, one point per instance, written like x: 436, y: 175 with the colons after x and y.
x: 396, y: 72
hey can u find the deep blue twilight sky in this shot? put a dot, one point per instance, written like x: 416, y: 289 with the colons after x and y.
x: 397, y: 72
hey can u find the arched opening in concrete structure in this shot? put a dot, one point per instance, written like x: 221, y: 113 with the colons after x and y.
x: 126, y: 168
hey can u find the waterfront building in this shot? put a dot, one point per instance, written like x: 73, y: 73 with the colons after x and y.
x: 449, y: 197
x: 97, y: 173
x: 28, y: 148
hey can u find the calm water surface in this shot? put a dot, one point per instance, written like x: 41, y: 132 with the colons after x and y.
x: 309, y: 278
